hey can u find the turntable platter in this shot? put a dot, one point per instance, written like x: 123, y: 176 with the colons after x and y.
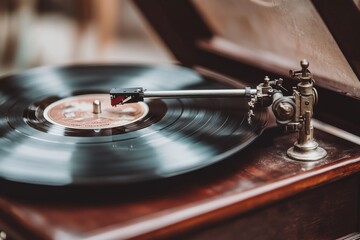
x: 49, y: 138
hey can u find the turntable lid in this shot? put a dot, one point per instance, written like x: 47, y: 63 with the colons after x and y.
x: 249, y: 39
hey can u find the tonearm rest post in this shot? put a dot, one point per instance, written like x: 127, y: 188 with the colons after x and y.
x: 305, y: 97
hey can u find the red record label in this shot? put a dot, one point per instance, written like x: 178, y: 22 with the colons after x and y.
x: 77, y: 112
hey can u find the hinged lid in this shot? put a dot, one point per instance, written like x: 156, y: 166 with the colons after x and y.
x: 249, y: 39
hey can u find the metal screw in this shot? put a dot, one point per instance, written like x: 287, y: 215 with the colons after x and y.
x: 266, y: 80
x: 304, y: 63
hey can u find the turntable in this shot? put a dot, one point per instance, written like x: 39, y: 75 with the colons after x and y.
x: 194, y: 152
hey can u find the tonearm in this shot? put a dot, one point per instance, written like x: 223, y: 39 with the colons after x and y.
x: 294, y: 112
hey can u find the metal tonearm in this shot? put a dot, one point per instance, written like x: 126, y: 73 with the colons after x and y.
x: 130, y: 95
x: 294, y: 112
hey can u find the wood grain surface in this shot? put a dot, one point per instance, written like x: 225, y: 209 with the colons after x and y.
x: 258, y: 176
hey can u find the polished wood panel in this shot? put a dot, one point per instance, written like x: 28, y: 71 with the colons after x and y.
x: 186, y: 33
x: 343, y: 19
x: 258, y: 176
x: 256, y: 31
x: 179, y: 25
x: 188, y: 36
x: 314, y: 214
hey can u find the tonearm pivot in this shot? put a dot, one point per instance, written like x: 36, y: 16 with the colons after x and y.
x: 294, y: 112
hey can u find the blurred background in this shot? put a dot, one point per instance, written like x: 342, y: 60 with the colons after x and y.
x: 57, y: 32
x: 60, y: 32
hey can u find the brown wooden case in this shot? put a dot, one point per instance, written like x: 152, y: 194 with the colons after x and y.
x: 266, y: 195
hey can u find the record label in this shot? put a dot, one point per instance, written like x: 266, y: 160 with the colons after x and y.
x: 77, y: 112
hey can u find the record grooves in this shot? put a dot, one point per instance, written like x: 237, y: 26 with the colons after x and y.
x: 176, y: 135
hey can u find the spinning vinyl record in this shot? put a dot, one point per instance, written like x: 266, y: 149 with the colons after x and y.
x: 50, y: 135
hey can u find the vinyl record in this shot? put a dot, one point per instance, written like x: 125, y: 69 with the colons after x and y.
x: 49, y: 134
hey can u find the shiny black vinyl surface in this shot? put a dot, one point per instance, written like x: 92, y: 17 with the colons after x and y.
x: 176, y: 136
